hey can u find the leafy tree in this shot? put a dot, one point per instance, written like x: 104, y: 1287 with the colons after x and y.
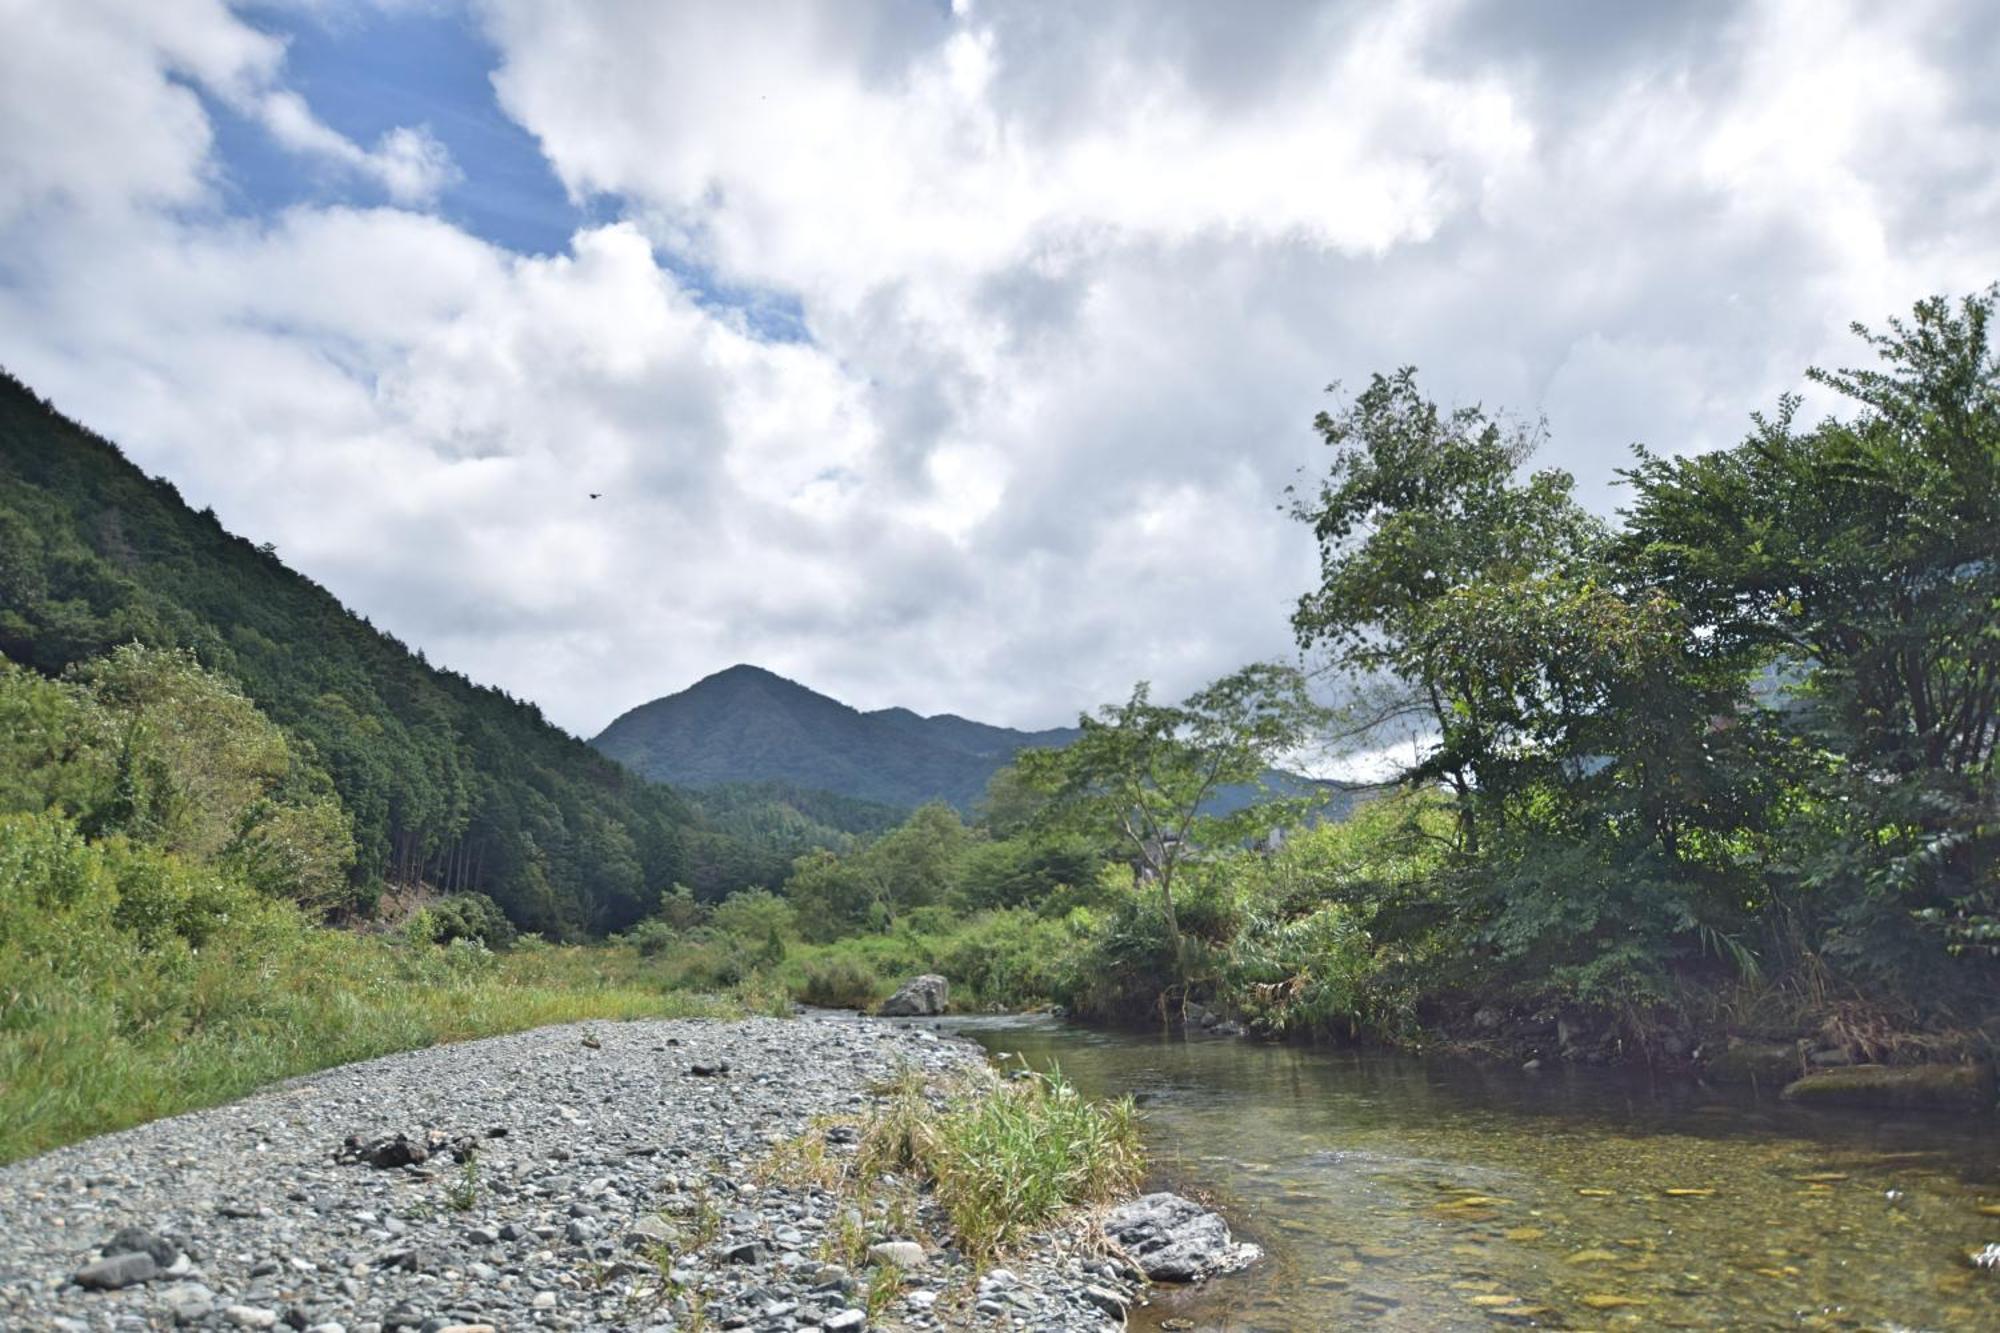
x: 1434, y: 551
x: 1859, y: 557
x: 1146, y: 773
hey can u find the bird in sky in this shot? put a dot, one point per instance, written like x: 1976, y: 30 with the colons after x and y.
x: 596, y: 495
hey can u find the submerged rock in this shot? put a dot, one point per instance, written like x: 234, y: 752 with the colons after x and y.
x: 1898, y: 1087
x: 1173, y: 1239
x: 1768, y: 1062
x: 919, y: 997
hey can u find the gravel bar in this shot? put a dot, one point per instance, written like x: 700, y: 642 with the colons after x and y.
x: 590, y: 1144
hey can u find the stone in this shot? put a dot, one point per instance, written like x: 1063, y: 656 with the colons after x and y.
x: 1772, y: 1064
x: 544, y: 1300
x: 117, y: 1270
x: 708, y: 1070
x: 1898, y: 1087
x: 744, y: 1252
x: 649, y: 1233
x: 844, y: 1321
x: 251, y: 1316
x: 1111, y: 1302
x: 138, y: 1240
x: 1173, y: 1239
x: 188, y: 1302
x: 920, y: 997
x: 903, y: 1254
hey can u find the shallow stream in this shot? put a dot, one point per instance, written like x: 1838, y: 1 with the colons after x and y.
x: 1392, y: 1192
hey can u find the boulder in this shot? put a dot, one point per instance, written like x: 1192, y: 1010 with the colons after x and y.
x: 919, y: 997
x: 1897, y: 1087
x: 1773, y: 1063
x: 1173, y: 1239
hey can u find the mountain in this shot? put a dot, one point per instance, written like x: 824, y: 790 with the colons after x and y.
x: 747, y: 724
x: 449, y: 783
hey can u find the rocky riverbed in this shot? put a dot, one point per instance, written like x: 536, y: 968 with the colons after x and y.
x: 535, y: 1183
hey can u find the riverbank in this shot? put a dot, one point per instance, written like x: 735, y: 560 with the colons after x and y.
x: 616, y: 1175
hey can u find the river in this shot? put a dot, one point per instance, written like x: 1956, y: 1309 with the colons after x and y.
x: 1392, y: 1192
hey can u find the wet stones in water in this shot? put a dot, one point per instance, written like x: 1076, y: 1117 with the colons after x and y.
x: 920, y: 997
x: 1173, y: 1239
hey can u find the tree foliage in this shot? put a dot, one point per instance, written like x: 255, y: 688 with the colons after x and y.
x: 445, y: 782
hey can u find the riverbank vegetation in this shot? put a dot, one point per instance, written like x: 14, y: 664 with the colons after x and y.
x: 999, y: 1159
x: 167, y: 854
x: 1724, y: 766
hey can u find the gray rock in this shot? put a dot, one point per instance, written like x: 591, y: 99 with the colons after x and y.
x: 251, y: 1316
x: 188, y: 1302
x: 138, y: 1240
x: 903, y: 1254
x: 118, y: 1270
x: 919, y: 997
x: 1107, y: 1300
x: 844, y: 1321
x: 1173, y: 1239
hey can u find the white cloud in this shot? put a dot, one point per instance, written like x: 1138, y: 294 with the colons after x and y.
x: 1074, y: 279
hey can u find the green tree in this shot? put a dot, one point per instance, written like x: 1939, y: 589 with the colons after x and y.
x: 1858, y: 558
x: 1148, y: 774
x: 1434, y: 549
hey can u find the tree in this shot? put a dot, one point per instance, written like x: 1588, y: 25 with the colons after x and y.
x: 1148, y: 774
x: 1435, y: 551
x: 1858, y: 558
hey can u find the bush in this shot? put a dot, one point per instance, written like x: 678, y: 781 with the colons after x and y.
x: 754, y: 914
x: 840, y: 983
x: 652, y: 937
x: 471, y: 916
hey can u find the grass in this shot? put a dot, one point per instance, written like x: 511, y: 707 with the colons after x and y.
x: 83, y: 1059
x: 134, y: 986
x: 1000, y: 1158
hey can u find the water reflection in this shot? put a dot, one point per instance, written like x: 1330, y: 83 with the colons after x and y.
x: 1399, y: 1193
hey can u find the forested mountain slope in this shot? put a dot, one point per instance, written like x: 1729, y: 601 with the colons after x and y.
x: 448, y: 782
x: 747, y: 724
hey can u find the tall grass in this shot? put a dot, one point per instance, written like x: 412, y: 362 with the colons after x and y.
x: 1004, y: 1158
x: 134, y: 986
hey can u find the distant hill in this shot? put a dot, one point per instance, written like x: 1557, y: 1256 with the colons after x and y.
x: 449, y: 783
x: 747, y: 724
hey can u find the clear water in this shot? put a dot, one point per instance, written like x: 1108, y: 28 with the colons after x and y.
x: 1397, y: 1193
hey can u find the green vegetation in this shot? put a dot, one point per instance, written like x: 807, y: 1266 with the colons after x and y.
x: 1002, y: 1159
x: 1725, y: 765
x: 166, y: 855
x: 445, y: 783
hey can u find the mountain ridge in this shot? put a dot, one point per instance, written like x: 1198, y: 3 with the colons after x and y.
x: 747, y: 723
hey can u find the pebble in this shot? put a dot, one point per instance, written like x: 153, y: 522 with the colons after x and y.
x: 306, y: 1206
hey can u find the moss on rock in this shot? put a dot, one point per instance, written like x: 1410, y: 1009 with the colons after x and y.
x: 1901, y: 1087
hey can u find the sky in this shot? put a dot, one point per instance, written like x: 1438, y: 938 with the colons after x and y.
x: 953, y: 356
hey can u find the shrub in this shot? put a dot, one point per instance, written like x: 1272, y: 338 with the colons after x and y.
x: 840, y: 983
x: 471, y: 916
x: 652, y: 937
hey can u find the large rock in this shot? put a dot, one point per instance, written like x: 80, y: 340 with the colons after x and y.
x: 1769, y: 1063
x: 920, y: 997
x: 1898, y: 1087
x: 1173, y: 1239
